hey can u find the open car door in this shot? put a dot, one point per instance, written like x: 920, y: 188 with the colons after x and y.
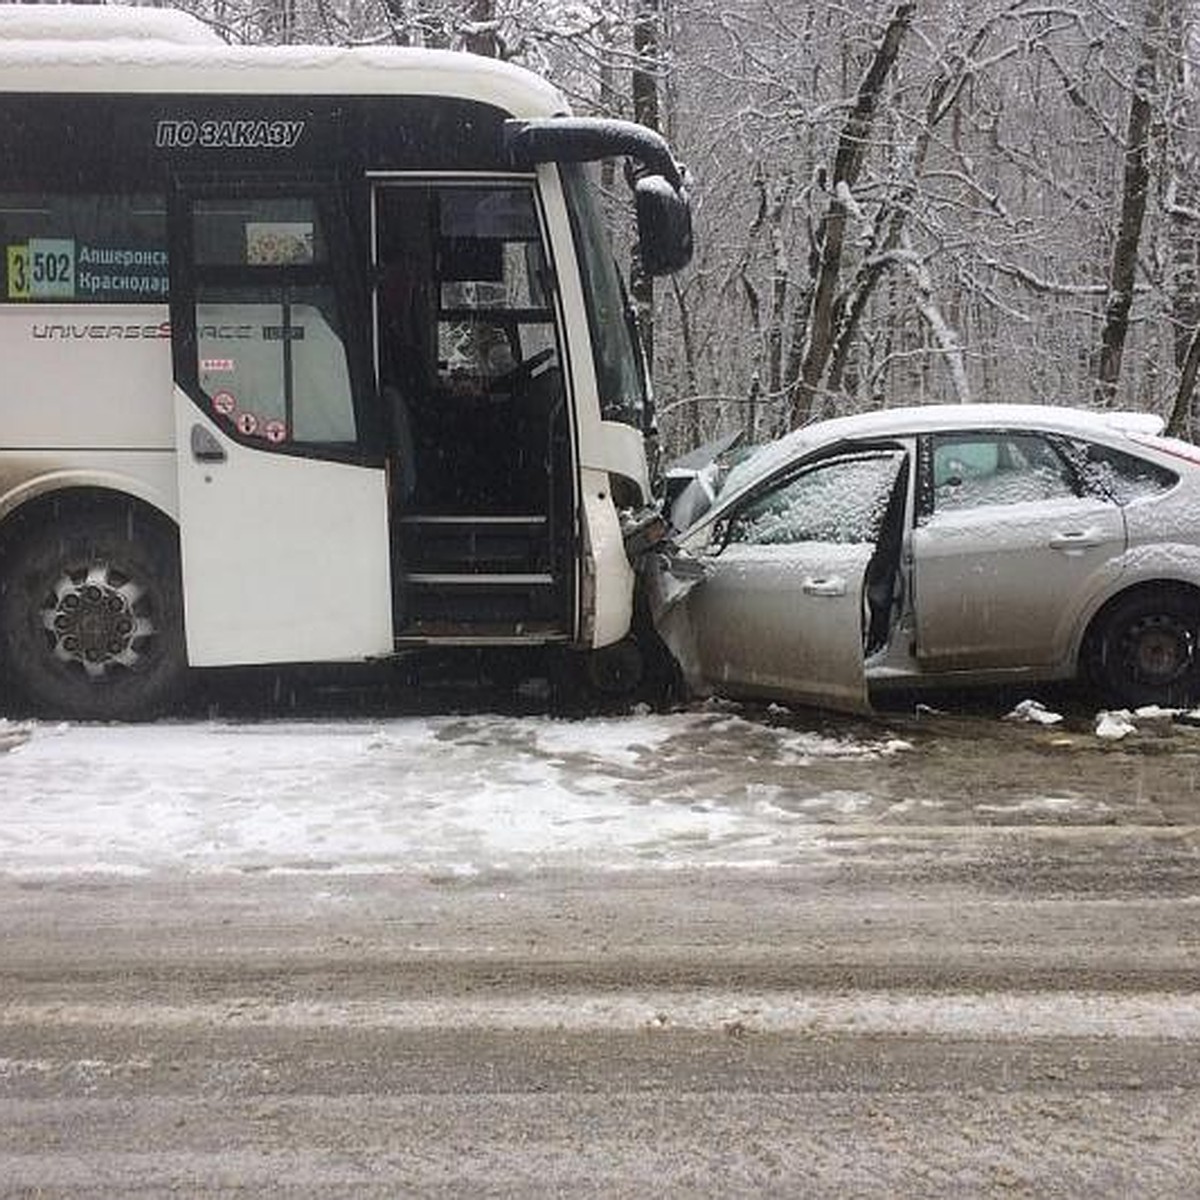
x: 782, y: 610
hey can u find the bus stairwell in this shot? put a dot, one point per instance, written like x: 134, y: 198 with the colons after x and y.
x: 482, y: 496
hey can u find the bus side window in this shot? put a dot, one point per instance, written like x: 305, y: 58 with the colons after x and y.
x: 84, y: 248
x: 271, y: 358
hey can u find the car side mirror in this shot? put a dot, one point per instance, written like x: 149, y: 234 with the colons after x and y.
x: 721, y: 535
x: 683, y: 566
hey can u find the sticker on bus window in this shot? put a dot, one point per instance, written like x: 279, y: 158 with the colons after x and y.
x: 216, y: 364
x: 18, y: 272
x: 41, y: 269
x: 247, y: 424
x: 279, y: 243
x: 224, y: 403
x: 275, y: 432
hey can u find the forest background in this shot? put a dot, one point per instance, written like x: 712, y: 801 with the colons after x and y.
x: 896, y: 202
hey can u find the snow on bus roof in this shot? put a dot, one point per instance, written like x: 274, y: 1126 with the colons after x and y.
x: 88, y: 49
x: 101, y: 22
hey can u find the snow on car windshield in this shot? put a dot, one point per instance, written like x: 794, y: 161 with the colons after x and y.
x: 840, y: 500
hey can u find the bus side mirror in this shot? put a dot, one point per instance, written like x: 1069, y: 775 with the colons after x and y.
x: 660, y: 184
x: 664, y: 223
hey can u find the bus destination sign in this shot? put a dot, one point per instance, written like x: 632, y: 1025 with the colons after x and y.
x: 245, y: 134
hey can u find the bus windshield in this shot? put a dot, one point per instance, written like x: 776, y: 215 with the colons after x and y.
x: 616, y: 347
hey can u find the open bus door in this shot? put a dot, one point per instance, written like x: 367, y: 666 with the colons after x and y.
x: 470, y: 354
x: 282, y: 486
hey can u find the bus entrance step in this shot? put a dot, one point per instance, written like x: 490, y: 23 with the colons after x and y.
x: 451, y: 545
x: 483, y: 598
x: 479, y: 633
x: 477, y: 580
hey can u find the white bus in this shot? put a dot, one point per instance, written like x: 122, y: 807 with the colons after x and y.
x: 308, y: 355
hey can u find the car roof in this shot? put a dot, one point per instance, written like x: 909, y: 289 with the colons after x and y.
x: 930, y: 418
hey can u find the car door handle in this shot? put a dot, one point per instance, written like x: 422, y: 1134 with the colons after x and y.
x: 825, y: 585
x: 205, y: 447
x: 1076, y: 539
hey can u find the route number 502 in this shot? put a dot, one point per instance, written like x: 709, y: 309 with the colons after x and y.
x: 41, y: 269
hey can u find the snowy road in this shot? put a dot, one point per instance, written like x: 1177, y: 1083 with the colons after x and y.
x: 710, y: 786
x: 719, y: 951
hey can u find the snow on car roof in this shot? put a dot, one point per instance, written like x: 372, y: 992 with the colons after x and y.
x: 923, y: 418
x: 899, y: 422
x: 102, y: 49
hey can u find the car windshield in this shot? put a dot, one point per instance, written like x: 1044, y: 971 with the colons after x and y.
x: 616, y: 347
x: 735, y: 471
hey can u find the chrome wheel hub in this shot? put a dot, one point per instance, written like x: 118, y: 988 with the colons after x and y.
x: 91, y: 618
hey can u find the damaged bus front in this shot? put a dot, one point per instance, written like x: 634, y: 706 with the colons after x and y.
x: 313, y: 355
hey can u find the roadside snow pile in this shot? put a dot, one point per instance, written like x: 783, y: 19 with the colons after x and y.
x: 13, y: 735
x: 1112, y: 726
x: 446, y: 793
x: 1034, y: 712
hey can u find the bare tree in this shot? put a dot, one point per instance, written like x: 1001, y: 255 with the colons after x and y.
x: 897, y: 202
x: 813, y: 348
x: 1134, y: 192
x: 647, y: 46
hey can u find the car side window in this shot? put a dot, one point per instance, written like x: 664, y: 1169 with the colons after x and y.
x: 839, y: 500
x: 973, y: 470
x: 1115, y: 474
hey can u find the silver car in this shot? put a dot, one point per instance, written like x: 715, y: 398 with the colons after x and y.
x: 945, y: 545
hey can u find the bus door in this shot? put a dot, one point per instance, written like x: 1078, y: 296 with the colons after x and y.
x: 282, y: 483
x: 470, y: 366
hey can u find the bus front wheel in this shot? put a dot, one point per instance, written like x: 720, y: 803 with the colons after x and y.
x: 91, y: 618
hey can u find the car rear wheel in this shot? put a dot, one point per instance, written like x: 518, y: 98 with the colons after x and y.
x: 91, y: 620
x: 1147, y: 649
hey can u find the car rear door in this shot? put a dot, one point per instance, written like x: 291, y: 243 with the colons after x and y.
x: 780, y: 610
x: 1007, y: 551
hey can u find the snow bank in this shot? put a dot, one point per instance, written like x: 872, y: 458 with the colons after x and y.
x: 457, y: 794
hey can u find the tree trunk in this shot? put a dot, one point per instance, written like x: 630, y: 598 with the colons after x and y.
x: 647, y: 48
x: 893, y: 216
x: 479, y: 37
x: 777, y: 198
x: 1179, y: 424
x: 1135, y: 188
x: 693, y: 425
x: 1182, y: 204
x: 811, y: 350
